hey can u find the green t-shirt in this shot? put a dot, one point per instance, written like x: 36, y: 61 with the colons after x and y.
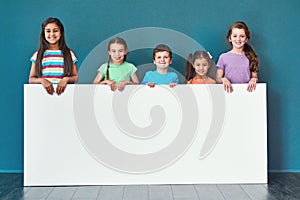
x: 118, y: 73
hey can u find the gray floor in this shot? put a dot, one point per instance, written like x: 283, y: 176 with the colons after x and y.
x: 281, y: 186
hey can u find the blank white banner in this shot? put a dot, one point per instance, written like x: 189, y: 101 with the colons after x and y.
x: 188, y: 134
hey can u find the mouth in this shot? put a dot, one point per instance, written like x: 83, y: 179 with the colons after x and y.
x: 237, y: 43
x: 200, y: 70
x: 117, y: 58
x: 52, y: 38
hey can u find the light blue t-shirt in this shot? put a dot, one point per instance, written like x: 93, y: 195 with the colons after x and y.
x: 160, y: 79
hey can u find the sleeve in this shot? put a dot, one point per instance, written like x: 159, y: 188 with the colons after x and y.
x: 175, y: 78
x: 146, y: 78
x: 103, y: 69
x: 220, y: 63
x: 73, y: 56
x: 133, y: 69
x: 33, y: 57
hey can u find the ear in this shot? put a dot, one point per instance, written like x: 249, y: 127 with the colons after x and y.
x: 170, y: 61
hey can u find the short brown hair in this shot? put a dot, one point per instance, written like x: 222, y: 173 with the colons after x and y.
x: 160, y: 48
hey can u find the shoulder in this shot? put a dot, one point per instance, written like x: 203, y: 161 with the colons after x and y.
x: 129, y: 65
x: 149, y: 73
x: 103, y: 67
x: 172, y: 74
x: 225, y: 54
x: 34, y: 55
x: 72, y: 53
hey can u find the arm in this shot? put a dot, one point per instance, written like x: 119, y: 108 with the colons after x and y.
x: 175, y: 80
x: 134, y: 81
x: 62, y: 84
x: 33, y: 79
x: 252, y: 83
x: 98, y: 80
x: 220, y: 74
x: 146, y: 81
x: 226, y: 83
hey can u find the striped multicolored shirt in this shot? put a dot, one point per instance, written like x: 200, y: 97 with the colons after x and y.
x: 53, y: 64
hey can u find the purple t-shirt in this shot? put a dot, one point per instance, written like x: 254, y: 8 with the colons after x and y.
x: 236, y: 67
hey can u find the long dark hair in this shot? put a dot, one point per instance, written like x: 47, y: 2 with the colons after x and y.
x: 116, y: 40
x: 248, y: 49
x: 190, y: 70
x: 44, y: 45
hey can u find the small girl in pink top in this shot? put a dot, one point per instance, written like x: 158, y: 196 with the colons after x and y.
x: 199, y: 68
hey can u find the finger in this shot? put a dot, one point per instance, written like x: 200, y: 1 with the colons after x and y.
x: 49, y: 90
x: 60, y: 90
x: 227, y: 88
x: 249, y: 89
x: 113, y: 87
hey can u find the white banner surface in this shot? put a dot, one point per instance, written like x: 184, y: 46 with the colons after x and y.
x: 189, y: 134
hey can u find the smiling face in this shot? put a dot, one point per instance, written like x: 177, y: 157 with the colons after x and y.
x: 162, y: 59
x: 117, y: 53
x: 52, y: 34
x: 201, y: 66
x: 238, y: 38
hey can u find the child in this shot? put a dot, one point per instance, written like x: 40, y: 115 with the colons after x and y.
x: 117, y: 72
x: 199, y: 68
x: 162, y: 57
x: 54, y: 62
x: 240, y: 65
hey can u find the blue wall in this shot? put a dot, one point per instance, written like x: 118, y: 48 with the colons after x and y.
x: 275, y: 32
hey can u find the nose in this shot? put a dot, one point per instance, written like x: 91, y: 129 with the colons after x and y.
x: 199, y: 67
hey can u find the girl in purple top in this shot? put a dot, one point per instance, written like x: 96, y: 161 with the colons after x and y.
x: 240, y: 64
